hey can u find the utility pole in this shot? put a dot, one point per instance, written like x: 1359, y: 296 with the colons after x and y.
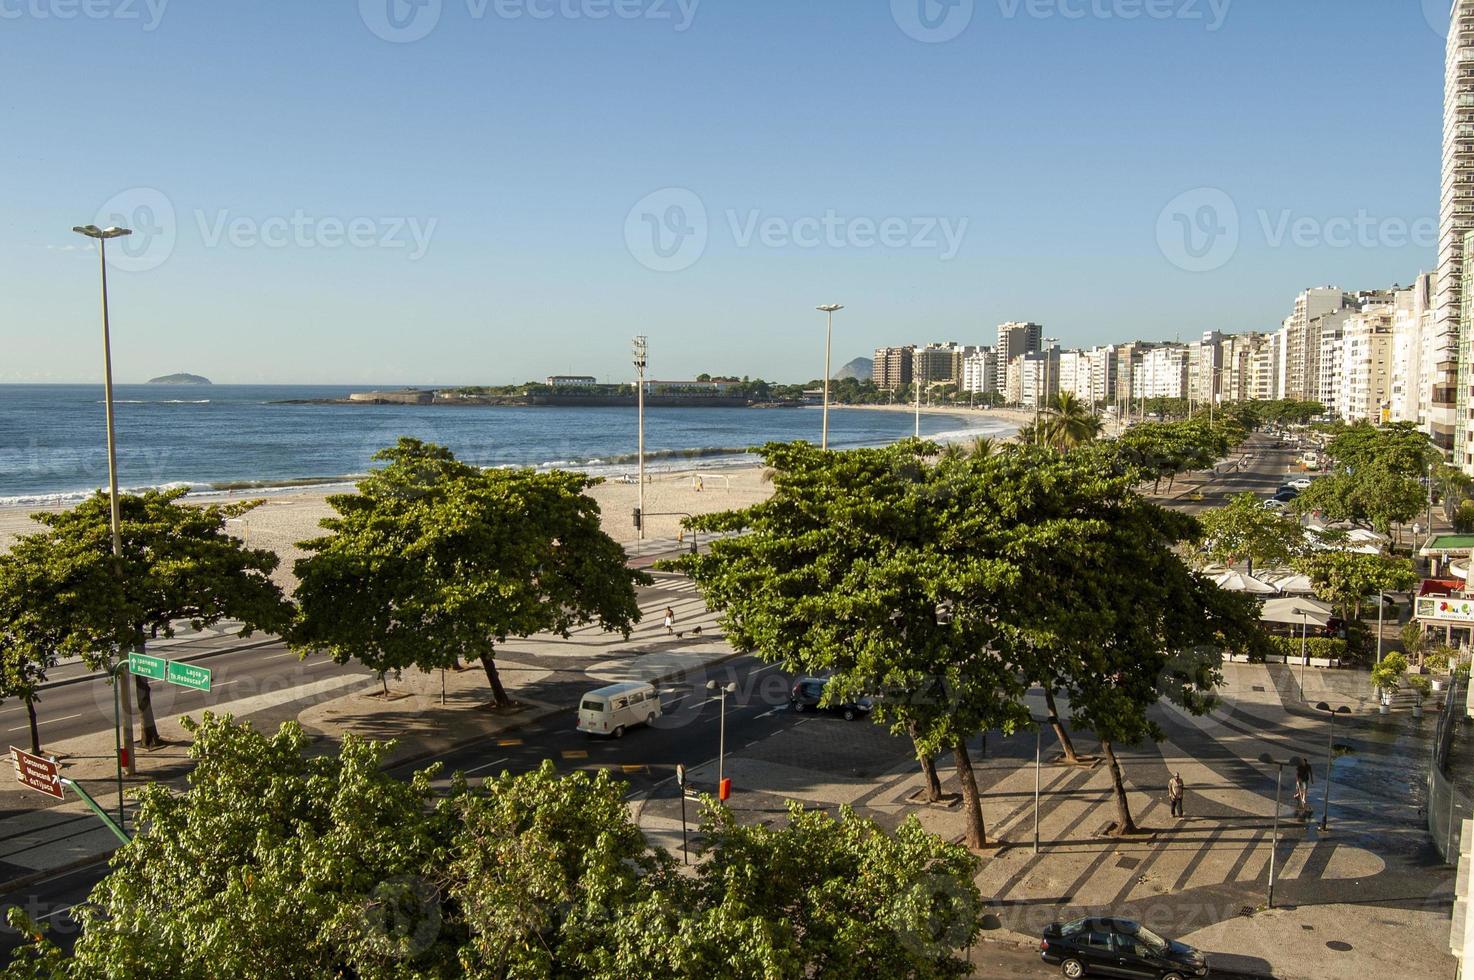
x: 829, y: 309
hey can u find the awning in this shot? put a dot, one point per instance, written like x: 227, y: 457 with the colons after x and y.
x: 1287, y: 581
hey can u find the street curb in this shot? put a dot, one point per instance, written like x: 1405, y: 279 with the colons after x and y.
x: 83, y: 678
x: 25, y: 881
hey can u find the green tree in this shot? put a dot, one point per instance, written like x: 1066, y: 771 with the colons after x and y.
x: 433, y: 560
x: 281, y: 862
x: 177, y: 564
x: 1069, y: 423
x: 1244, y: 530
x: 1345, y: 578
x: 33, y: 634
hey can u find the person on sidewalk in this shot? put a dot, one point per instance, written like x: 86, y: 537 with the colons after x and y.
x: 670, y: 621
x: 1174, y: 794
x: 1303, y: 775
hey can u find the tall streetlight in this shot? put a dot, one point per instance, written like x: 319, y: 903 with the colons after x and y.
x: 1279, y: 776
x: 830, y: 309
x: 1325, y: 816
x: 641, y: 352
x: 723, y: 690
x: 101, y: 235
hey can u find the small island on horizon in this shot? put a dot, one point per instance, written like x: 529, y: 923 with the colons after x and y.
x: 179, y: 379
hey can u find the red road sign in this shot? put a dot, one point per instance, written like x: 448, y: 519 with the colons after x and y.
x: 38, y: 773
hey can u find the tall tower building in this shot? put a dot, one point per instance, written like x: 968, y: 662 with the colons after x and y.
x: 1450, y: 425
x: 1017, y: 339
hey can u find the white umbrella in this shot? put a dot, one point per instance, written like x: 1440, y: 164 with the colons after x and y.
x: 1458, y: 571
x: 1361, y: 535
x: 1236, y: 581
x: 1287, y: 580
x: 1296, y: 611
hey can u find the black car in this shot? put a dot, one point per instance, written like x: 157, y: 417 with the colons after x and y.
x: 1286, y: 495
x: 809, y: 691
x: 1108, y: 947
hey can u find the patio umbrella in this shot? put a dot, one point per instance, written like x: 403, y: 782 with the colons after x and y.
x: 1236, y: 581
x: 1361, y: 535
x: 1289, y: 610
x: 1288, y: 581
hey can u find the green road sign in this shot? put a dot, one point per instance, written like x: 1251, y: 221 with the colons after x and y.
x: 146, y: 666
x: 188, y: 675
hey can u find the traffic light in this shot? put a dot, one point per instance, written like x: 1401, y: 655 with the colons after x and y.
x: 638, y: 520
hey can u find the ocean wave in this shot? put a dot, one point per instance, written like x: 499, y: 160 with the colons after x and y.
x: 158, y: 401
x: 62, y: 497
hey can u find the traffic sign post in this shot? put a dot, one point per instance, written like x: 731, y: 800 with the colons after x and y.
x: 37, y: 773
x: 111, y: 824
x: 142, y: 665
x: 187, y: 675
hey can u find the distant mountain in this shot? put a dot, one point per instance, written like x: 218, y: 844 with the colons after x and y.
x: 860, y: 369
x: 179, y: 379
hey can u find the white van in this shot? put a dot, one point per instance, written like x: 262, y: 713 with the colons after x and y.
x: 610, y: 710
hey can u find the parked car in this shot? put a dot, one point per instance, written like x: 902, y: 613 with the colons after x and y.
x: 809, y: 691
x: 1273, y: 504
x: 1104, y: 946
x: 1301, y: 484
x: 1286, y: 495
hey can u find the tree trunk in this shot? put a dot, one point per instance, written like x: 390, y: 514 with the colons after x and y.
x: 384, y: 684
x: 1124, y: 823
x: 144, y: 692
x: 498, y: 693
x: 1060, y: 732
x: 972, y: 804
x: 928, y: 769
x: 35, y: 732
x: 1251, y: 566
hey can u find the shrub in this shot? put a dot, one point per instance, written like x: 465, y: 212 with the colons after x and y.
x: 1463, y: 517
x: 1319, y: 647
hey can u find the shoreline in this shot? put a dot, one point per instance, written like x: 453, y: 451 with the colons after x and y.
x: 291, y: 512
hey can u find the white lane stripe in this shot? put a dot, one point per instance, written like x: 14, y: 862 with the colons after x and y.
x: 487, y: 766
x: 46, y: 721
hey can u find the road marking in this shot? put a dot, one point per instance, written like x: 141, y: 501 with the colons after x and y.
x: 47, y: 721
x: 762, y: 668
x: 574, y: 754
x: 487, y: 766
x: 637, y: 768
x: 774, y: 711
x: 508, y: 742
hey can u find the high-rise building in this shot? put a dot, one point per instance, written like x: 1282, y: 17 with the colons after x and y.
x: 891, y: 367
x: 1330, y: 372
x: 1413, y: 354
x: 1449, y: 416
x: 1366, y: 366
x: 1015, y: 339
x: 1162, y: 372
x: 980, y: 374
x: 1038, y: 377
x: 938, y: 363
x: 1301, y: 376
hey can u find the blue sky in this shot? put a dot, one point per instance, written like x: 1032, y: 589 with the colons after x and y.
x: 527, y: 185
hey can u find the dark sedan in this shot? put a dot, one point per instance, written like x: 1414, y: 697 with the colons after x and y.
x: 808, y: 692
x: 1109, y: 947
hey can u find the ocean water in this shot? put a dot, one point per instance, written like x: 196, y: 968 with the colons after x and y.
x: 53, y: 437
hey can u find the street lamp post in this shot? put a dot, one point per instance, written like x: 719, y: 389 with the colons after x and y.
x: 1038, y: 762
x: 101, y: 236
x: 1041, y: 392
x: 1325, y: 816
x: 830, y: 309
x: 1381, y: 602
x: 1279, y: 775
x: 723, y: 690
x: 641, y: 354
x: 1304, y: 652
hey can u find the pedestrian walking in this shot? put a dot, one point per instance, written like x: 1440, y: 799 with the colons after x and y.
x: 670, y: 621
x: 1303, y: 775
x: 1174, y: 794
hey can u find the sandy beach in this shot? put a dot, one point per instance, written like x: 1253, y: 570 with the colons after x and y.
x: 286, y: 518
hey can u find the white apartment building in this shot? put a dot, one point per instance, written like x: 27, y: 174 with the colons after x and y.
x: 1366, y: 366
x: 1262, y: 381
x: 1301, y: 357
x: 1413, y: 353
x: 1162, y: 372
x: 1330, y: 365
x: 980, y: 372
x: 1452, y: 376
x: 1038, y: 377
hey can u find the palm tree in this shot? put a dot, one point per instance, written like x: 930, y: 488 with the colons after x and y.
x: 984, y: 447
x: 1070, y: 423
